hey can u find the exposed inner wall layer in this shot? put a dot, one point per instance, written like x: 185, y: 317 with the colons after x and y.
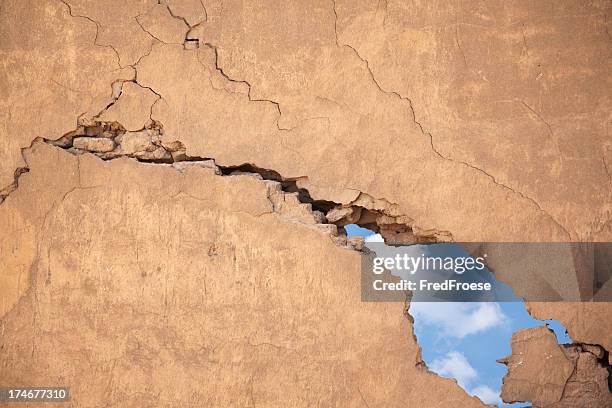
x: 110, y: 140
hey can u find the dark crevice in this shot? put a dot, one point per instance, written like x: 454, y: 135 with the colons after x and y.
x: 13, y: 186
x: 324, y: 206
x: 110, y: 140
x: 395, y: 228
x: 288, y: 185
x: 249, y: 168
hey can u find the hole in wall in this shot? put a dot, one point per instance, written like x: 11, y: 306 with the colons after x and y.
x: 464, y: 340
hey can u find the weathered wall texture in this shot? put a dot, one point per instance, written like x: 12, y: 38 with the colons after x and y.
x: 462, y: 120
x: 152, y: 286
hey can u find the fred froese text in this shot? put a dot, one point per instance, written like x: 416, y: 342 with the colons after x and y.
x: 424, y: 285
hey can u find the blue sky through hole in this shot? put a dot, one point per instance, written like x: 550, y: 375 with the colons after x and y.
x: 464, y: 340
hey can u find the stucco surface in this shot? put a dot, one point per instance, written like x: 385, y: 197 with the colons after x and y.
x: 465, y: 120
x: 159, y: 287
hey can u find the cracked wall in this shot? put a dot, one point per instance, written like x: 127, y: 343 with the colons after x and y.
x: 209, y: 320
x: 462, y: 121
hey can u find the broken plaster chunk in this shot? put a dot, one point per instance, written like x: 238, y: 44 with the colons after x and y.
x: 289, y: 206
x: 92, y: 131
x: 178, y: 156
x: 94, y: 144
x: 538, y: 369
x: 273, y: 185
x: 338, y: 213
x: 357, y: 243
x: 344, y: 215
x: 332, y: 230
x: 319, y: 217
x: 132, y: 142
x: 596, y: 350
x: 396, y: 234
x: 174, y: 146
x: 159, y: 154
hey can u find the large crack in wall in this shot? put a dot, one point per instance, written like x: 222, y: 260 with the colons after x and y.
x: 192, y: 40
x: 205, y: 223
x: 189, y: 34
x: 105, y: 141
x: 110, y: 140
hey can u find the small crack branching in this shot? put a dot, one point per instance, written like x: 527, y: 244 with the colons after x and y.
x: 430, y: 136
x: 95, y: 41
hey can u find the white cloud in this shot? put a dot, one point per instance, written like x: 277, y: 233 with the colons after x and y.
x: 454, y: 365
x: 458, y: 319
x: 374, y: 238
x: 487, y: 395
